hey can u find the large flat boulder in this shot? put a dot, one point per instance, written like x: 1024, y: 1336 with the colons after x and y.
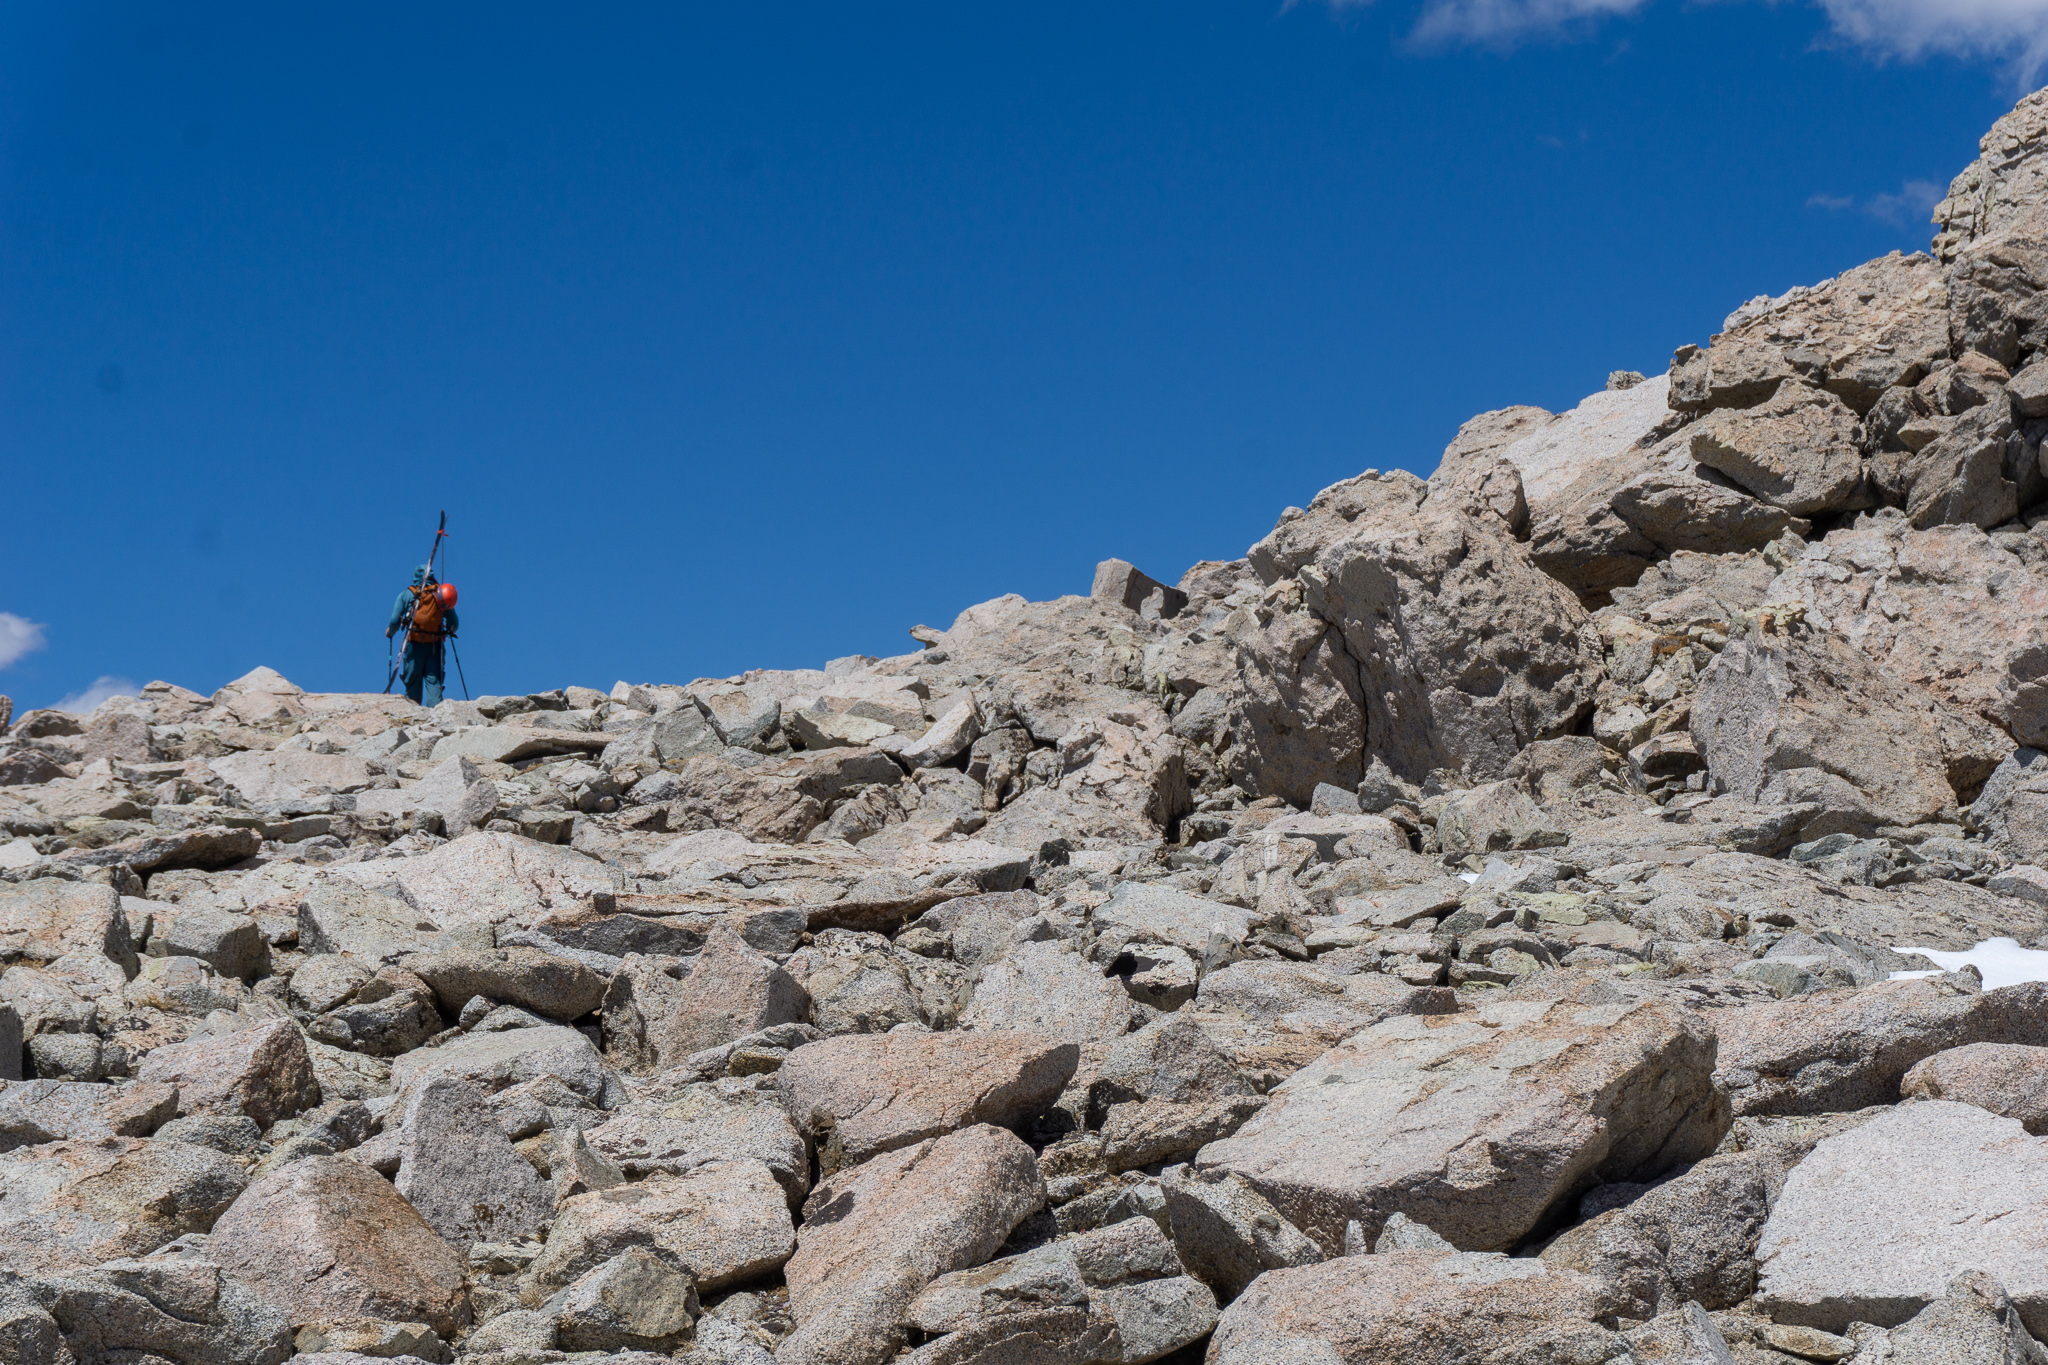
x: 1302, y: 998
x: 33, y: 1112
x: 338, y: 916
x: 489, y: 878
x: 510, y: 743
x: 1048, y: 988
x: 1875, y: 1223
x: 327, y: 1237
x: 875, y: 1235
x: 274, y: 776
x: 1404, y: 1307
x: 1476, y: 1124
x: 69, y: 1204
x: 864, y: 1094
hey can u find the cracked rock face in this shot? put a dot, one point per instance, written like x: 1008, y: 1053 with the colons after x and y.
x: 1486, y: 921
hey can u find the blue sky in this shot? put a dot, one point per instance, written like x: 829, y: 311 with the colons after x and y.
x: 749, y: 336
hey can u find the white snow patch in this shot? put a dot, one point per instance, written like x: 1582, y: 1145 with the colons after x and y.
x: 2001, y: 962
x: 1468, y: 877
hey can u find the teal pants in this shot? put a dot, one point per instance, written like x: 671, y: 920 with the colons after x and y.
x: 422, y: 672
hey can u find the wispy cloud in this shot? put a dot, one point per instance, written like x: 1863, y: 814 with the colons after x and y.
x: 2004, y: 30
x: 2016, y: 29
x: 81, y: 703
x: 1498, y: 20
x: 1913, y: 204
x: 18, y: 636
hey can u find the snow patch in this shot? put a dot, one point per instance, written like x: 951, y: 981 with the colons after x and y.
x: 2001, y: 962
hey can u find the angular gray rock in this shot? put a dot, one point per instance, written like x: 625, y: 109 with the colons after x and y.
x: 1048, y: 988
x: 164, y: 1307
x: 1796, y: 720
x: 232, y: 945
x: 329, y: 1238
x: 77, y: 1204
x: 1690, y: 1239
x: 1408, y: 1306
x: 721, y: 1121
x: 865, y: 1094
x: 875, y: 1235
x: 1796, y: 450
x: 1466, y: 650
x: 731, y: 990
x: 1475, y: 1124
x: 1294, y: 712
x: 1831, y: 1053
x: 1125, y: 585
x: 2002, y: 193
x: 1874, y: 1225
x: 44, y: 919
x: 263, y: 1073
x: 1115, y: 1294
x: 1226, y: 1233
x: 494, y: 1061
x: 457, y: 1168
x: 721, y: 1223
x: 2013, y: 806
x: 634, y: 1302
x: 2006, y: 1079
x: 33, y: 1112
x: 1973, y: 1323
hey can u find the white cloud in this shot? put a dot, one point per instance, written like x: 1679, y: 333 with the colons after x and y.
x: 1492, y: 20
x: 18, y: 637
x: 1965, y: 28
x: 81, y: 703
x: 1912, y: 205
x: 2015, y: 30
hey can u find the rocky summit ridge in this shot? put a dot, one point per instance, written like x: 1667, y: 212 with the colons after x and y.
x: 1487, y: 923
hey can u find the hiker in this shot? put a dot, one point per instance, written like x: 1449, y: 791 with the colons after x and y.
x: 429, y: 622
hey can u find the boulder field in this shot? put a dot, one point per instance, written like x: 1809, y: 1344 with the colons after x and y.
x: 1488, y: 923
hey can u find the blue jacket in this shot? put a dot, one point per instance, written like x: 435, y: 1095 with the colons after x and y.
x: 401, y: 610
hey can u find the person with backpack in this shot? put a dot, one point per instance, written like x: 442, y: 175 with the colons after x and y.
x: 427, y: 610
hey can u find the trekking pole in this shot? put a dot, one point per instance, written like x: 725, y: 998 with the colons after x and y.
x: 390, y: 661
x: 458, y: 667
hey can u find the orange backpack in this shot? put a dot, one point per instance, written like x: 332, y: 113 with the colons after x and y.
x: 426, y: 615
